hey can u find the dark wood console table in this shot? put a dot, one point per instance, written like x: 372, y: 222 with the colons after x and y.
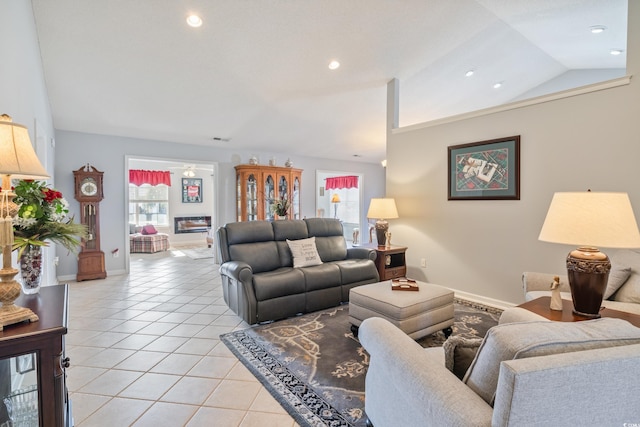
x: 33, y: 355
x: 541, y: 307
x: 390, y: 261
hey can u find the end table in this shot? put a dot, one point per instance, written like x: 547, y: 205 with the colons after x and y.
x: 390, y: 261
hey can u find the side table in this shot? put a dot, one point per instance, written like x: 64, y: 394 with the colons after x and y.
x: 541, y: 307
x: 390, y: 261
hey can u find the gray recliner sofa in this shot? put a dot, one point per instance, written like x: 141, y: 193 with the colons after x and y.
x: 259, y: 281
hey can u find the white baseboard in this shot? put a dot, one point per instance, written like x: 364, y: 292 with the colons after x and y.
x: 503, y: 305
x: 72, y: 278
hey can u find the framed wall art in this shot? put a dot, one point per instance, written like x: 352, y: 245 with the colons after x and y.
x: 485, y: 170
x: 191, y: 190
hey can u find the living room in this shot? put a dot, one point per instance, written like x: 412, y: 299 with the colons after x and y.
x: 582, y: 139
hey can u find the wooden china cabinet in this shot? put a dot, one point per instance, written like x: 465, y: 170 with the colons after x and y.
x: 33, y: 364
x: 259, y: 186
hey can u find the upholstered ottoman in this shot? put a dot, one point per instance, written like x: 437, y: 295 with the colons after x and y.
x: 148, y: 243
x: 416, y: 313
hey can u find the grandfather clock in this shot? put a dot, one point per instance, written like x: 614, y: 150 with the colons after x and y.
x: 88, y: 191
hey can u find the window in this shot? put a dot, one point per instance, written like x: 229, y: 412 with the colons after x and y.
x: 149, y: 204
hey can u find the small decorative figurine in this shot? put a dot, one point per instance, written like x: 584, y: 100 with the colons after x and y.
x: 556, y: 299
x: 253, y: 160
x: 288, y: 163
x: 388, y: 236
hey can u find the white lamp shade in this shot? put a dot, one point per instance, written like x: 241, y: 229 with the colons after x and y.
x: 382, y: 209
x: 591, y: 219
x: 17, y: 157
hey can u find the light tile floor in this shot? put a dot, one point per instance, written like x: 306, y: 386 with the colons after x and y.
x: 145, y: 351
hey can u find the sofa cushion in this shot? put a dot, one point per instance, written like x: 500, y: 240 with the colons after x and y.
x: 278, y: 283
x: 529, y: 339
x: 294, y: 229
x: 304, y: 252
x: 261, y: 256
x: 321, y: 277
x: 357, y: 270
x: 248, y: 232
x: 332, y: 248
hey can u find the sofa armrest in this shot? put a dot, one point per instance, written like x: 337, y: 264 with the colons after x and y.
x: 591, y: 387
x: 361, y: 253
x: 237, y: 270
x: 237, y: 289
x: 532, y: 281
x: 406, y: 385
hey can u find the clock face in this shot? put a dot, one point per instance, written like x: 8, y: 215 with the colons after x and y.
x: 89, y: 187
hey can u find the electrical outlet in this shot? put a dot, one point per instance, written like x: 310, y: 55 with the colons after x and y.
x: 423, y: 263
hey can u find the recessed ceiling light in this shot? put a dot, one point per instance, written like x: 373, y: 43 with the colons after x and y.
x: 497, y: 85
x: 597, y: 29
x: 469, y: 73
x: 616, y: 52
x: 194, y: 21
x: 334, y: 65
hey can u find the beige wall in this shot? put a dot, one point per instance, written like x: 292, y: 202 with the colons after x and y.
x: 588, y: 141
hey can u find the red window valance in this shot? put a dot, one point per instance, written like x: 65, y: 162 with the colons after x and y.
x: 139, y: 177
x: 338, y: 182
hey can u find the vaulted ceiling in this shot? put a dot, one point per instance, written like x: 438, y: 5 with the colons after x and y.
x: 255, y: 75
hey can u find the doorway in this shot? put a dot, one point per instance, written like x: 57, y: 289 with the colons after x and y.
x: 160, y: 205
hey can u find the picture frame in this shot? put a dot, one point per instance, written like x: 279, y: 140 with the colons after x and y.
x: 485, y: 170
x: 25, y: 363
x: 191, y: 190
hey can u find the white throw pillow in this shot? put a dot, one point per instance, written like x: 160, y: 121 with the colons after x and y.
x: 304, y: 252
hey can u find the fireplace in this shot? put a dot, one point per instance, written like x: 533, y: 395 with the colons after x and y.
x: 191, y: 224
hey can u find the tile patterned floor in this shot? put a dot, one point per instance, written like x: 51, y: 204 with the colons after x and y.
x: 145, y: 351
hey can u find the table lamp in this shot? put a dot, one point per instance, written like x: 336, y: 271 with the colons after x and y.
x: 335, y: 199
x: 590, y: 219
x: 381, y: 210
x: 17, y: 160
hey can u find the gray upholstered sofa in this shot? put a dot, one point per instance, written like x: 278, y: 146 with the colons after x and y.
x: 522, y: 375
x: 259, y: 281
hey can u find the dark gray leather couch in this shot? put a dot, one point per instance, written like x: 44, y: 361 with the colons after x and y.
x: 259, y: 281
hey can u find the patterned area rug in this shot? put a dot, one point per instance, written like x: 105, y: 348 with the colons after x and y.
x: 315, y: 367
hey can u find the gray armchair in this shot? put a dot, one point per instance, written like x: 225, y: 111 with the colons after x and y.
x: 407, y: 385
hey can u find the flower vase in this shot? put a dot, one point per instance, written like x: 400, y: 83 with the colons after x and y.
x: 31, y: 269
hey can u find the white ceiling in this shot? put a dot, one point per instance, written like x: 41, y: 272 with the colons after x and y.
x: 256, y: 71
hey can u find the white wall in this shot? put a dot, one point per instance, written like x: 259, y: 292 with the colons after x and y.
x: 589, y: 141
x: 23, y: 94
x: 108, y: 153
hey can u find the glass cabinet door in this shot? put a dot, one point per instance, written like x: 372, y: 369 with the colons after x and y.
x: 252, y: 198
x: 238, y: 197
x: 295, y: 203
x: 283, y: 190
x: 19, y: 391
x: 269, y: 198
